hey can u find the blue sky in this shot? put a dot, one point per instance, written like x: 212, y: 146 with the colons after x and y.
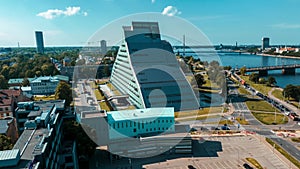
x: 73, y: 22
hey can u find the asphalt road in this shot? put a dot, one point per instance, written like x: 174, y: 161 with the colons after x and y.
x: 256, y: 126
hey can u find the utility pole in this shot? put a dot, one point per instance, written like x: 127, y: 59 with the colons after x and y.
x: 183, y: 45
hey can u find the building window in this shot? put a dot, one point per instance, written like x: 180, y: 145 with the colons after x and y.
x: 134, y: 130
x: 7, y: 114
x: 147, y: 130
x: 162, y: 121
x: 118, y: 125
x: 6, y: 108
x: 150, y: 129
x: 130, y: 123
x: 158, y: 128
x: 126, y: 124
x: 143, y: 125
x: 166, y: 121
x: 158, y: 121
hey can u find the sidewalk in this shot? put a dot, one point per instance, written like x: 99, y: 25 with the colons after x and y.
x: 295, y: 109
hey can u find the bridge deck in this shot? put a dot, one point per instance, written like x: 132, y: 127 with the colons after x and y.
x: 253, y: 69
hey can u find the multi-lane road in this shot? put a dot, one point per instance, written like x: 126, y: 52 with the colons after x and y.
x: 256, y: 126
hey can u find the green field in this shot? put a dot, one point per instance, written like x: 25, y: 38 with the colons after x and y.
x: 278, y: 94
x: 204, y: 111
x: 263, y: 88
x: 269, y: 118
x: 44, y: 98
x: 255, y: 105
x: 254, y: 162
x: 243, y: 91
x: 242, y: 121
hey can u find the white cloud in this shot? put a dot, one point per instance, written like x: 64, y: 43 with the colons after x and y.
x: 171, y: 11
x: 286, y: 26
x: 153, y: 1
x: 52, y: 13
x: 85, y: 14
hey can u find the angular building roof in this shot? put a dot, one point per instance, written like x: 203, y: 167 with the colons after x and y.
x: 147, y: 70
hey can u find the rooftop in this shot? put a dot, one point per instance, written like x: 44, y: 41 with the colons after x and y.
x: 3, y: 125
x: 6, y: 96
x: 140, y: 114
x: 9, y: 154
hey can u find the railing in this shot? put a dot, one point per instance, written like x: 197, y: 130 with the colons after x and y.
x: 272, y: 67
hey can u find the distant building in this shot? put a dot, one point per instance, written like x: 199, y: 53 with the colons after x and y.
x: 287, y: 50
x: 46, y: 85
x: 18, y: 81
x: 146, y: 69
x: 39, y: 42
x: 265, y: 43
x: 103, y: 47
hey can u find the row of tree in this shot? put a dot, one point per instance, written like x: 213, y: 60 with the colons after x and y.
x: 254, y: 77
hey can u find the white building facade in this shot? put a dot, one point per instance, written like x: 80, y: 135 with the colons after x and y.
x: 140, y: 122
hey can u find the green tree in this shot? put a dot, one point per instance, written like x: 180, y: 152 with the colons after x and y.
x: 64, y: 92
x: 3, y: 82
x: 254, y: 77
x: 243, y: 70
x: 262, y: 80
x: 199, y: 80
x: 82, y: 134
x: 5, y: 143
x: 289, y: 91
x: 25, y: 82
x: 271, y: 81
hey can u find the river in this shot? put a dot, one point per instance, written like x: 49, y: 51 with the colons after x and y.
x: 236, y: 60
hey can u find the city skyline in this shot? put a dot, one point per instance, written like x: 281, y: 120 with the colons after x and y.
x: 72, y: 23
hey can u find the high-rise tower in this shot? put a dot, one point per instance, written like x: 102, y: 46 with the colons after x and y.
x: 146, y: 69
x: 39, y: 42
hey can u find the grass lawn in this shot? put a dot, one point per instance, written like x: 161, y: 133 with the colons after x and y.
x: 209, y: 83
x: 204, y: 111
x: 105, y: 106
x: 263, y: 88
x: 98, y: 95
x: 198, y: 118
x: 283, y: 152
x: 243, y: 91
x: 278, y: 94
x: 260, y: 105
x: 242, y: 121
x: 44, y: 98
x: 296, y: 139
x: 269, y: 118
x: 254, y: 162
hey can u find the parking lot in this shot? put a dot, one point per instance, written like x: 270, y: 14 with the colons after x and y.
x: 233, y: 155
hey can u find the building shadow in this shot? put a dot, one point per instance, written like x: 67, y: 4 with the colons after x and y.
x: 201, y: 148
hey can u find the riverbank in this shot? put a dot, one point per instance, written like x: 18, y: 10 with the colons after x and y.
x: 263, y: 54
x: 279, y: 56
